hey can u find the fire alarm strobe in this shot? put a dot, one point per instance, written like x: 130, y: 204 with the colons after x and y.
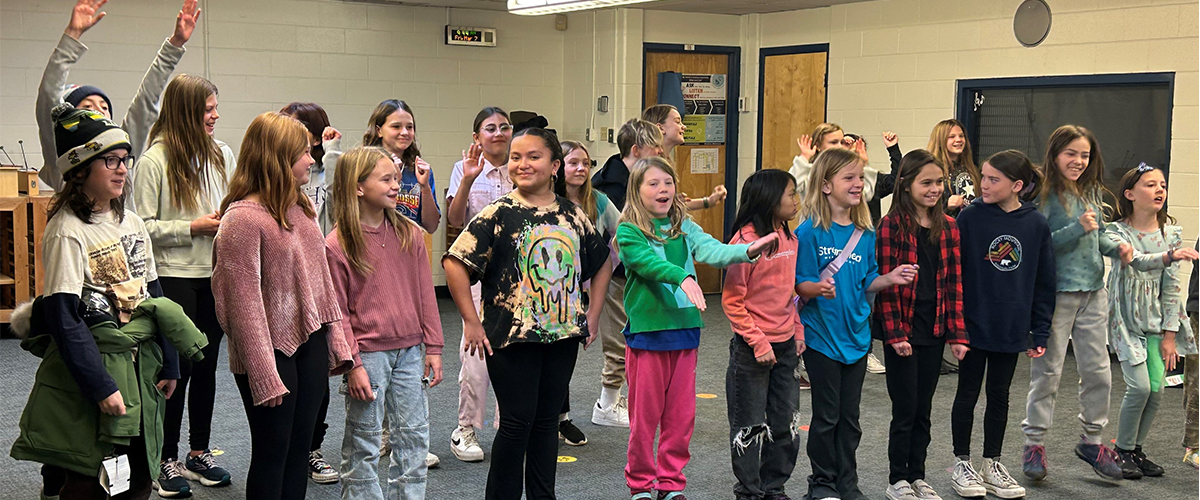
x: 475, y: 37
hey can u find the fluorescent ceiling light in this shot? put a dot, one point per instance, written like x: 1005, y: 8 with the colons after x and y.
x: 541, y: 7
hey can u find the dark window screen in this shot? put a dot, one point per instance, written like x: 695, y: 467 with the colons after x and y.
x: 1131, y: 122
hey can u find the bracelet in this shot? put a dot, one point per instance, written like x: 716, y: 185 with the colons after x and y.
x: 706, y: 202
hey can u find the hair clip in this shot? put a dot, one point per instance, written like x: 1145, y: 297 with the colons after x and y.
x: 1143, y: 167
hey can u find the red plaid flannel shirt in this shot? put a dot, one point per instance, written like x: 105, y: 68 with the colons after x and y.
x: 894, y: 305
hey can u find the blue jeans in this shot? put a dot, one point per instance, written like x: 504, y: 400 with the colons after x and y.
x: 396, y: 381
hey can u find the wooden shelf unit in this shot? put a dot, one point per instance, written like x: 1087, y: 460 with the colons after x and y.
x: 14, y: 255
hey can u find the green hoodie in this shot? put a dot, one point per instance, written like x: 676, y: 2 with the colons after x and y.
x: 60, y: 427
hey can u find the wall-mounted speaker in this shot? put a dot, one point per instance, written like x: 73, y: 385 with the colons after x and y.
x: 1031, y: 23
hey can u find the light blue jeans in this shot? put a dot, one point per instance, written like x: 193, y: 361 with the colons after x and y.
x: 396, y: 381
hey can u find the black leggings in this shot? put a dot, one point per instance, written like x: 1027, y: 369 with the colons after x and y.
x: 1000, y: 367
x: 530, y: 381
x: 196, y: 297
x: 280, y: 437
x: 911, y: 382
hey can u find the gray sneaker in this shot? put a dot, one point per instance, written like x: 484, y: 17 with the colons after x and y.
x: 901, y: 491
x: 924, y: 491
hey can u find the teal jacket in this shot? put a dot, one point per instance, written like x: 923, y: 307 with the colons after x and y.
x: 1078, y: 254
x: 62, y: 428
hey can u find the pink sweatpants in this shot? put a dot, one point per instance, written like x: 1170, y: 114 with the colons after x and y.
x: 662, y: 392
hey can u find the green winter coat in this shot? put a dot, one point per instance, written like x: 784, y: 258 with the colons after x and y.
x: 60, y: 427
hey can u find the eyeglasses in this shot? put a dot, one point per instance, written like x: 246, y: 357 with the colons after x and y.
x: 491, y: 129
x: 112, y: 162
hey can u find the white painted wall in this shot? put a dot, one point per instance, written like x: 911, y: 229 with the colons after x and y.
x: 262, y: 54
x: 893, y: 63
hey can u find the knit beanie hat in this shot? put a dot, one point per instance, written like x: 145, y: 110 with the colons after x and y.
x: 75, y: 94
x: 81, y: 135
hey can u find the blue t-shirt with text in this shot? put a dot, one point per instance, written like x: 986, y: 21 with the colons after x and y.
x: 409, y: 201
x: 839, y: 327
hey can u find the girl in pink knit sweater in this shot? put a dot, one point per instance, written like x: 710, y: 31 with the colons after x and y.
x: 276, y: 303
x: 384, y: 286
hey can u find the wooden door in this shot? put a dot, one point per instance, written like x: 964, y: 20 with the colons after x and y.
x: 696, y: 185
x: 793, y: 104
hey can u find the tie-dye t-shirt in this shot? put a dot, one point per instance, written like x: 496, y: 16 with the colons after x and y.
x: 532, y: 262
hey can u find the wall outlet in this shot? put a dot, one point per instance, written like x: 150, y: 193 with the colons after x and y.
x: 587, y: 135
x: 603, y: 134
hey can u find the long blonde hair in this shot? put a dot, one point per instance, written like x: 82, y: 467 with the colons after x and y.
x: 966, y: 160
x: 272, y: 144
x: 816, y: 202
x: 190, y: 151
x: 356, y: 166
x: 636, y: 212
x: 587, y: 197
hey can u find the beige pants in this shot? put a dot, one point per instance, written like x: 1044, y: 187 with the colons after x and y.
x: 612, y: 338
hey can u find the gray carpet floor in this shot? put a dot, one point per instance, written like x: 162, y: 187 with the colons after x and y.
x: 597, y: 471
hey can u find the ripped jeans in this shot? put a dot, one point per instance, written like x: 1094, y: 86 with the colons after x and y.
x: 764, y: 418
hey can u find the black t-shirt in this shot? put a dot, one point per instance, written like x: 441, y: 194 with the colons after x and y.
x: 929, y: 261
x: 532, y: 262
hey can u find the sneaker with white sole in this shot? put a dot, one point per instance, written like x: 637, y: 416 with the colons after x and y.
x: 874, y: 366
x: 319, y: 470
x: 901, y: 491
x: 203, y: 469
x: 924, y: 491
x: 998, y: 481
x: 171, y: 483
x: 569, y: 433
x: 966, y: 481
x: 465, y: 445
x: 616, y: 415
x: 432, y: 461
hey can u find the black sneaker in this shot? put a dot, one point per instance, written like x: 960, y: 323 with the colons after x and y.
x: 1149, y: 469
x: 203, y: 468
x: 319, y: 470
x: 1129, y: 466
x: 571, y: 434
x: 171, y: 483
x: 1102, y: 459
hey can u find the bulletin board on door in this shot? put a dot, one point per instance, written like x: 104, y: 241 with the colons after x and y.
x: 708, y: 157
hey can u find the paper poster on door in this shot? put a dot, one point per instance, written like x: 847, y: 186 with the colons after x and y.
x: 704, y: 160
x: 705, y: 102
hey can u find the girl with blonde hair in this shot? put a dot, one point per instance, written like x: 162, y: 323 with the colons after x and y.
x: 177, y: 187
x: 269, y: 261
x: 384, y: 286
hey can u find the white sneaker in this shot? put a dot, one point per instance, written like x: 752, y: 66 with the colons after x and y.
x: 924, y: 491
x: 616, y: 415
x: 465, y: 444
x: 432, y: 461
x: 966, y: 481
x: 998, y: 482
x: 874, y: 366
x: 901, y: 491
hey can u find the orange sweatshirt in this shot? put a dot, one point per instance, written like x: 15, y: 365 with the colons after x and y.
x: 758, y: 297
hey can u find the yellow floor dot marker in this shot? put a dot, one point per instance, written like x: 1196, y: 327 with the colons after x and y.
x: 217, y: 452
x: 706, y: 396
x: 562, y: 459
